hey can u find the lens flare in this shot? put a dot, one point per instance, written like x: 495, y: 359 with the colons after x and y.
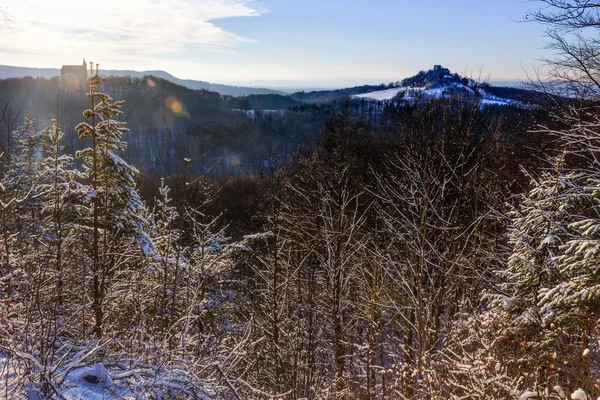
x: 234, y: 160
x: 174, y: 105
x: 70, y: 82
x: 151, y: 83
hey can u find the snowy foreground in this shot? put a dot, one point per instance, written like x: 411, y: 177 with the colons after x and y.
x: 96, y: 382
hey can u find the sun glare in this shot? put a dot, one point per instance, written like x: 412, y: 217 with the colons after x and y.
x: 174, y: 105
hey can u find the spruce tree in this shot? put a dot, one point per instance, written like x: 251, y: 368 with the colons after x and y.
x: 19, y: 203
x: 538, y: 228
x: 168, y: 259
x: 59, y: 190
x: 22, y: 176
x: 116, y: 208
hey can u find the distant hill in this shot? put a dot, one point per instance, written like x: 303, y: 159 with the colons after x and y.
x: 440, y: 82
x: 7, y: 71
x: 436, y: 82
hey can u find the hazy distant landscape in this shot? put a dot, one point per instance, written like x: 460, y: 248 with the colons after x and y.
x: 258, y: 131
x: 257, y: 87
x: 299, y: 200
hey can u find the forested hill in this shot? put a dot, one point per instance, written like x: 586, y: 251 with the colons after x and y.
x: 246, y: 134
x: 7, y: 71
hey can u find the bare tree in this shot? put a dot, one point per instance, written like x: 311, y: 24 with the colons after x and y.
x: 573, y: 28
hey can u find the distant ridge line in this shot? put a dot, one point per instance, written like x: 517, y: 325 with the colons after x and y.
x: 9, y: 71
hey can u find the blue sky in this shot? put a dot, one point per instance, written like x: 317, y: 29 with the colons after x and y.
x: 324, y: 43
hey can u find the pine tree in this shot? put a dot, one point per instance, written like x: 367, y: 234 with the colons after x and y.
x: 19, y: 204
x: 169, y: 259
x: 116, y: 209
x: 22, y: 176
x: 571, y: 302
x: 59, y: 190
x: 551, y: 288
x: 538, y: 228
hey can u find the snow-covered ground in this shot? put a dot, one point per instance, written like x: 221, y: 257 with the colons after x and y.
x: 93, y: 383
x: 497, y: 102
x: 96, y: 382
x: 381, y: 95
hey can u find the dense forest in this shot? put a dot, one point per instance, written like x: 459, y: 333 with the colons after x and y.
x: 166, y: 243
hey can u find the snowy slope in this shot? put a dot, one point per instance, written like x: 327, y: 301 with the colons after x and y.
x: 381, y: 95
x: 408, y: 93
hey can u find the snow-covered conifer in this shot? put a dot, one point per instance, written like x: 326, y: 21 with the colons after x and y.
x: 21, y: 178
x: 116, y: 209
x: 58, y: 188
x: 538, y: 228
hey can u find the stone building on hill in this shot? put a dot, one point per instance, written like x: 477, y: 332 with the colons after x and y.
x: 74, y: 77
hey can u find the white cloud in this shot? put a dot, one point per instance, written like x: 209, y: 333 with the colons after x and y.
x: 117, y: 32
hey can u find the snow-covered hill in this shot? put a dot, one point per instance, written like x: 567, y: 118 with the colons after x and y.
x: 410, y: 93
x: 435, y: 83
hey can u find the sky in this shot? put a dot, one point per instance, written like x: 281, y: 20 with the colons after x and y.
x: 277, y: 43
